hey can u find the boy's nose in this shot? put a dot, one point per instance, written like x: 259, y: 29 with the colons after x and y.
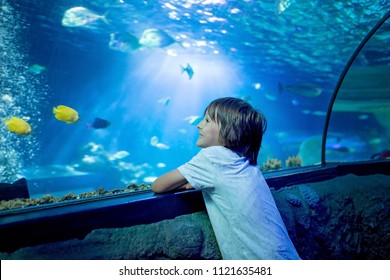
x: 200, y: 124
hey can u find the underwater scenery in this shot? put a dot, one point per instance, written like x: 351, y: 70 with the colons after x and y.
x: 108, y: 93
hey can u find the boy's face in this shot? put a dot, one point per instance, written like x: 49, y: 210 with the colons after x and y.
x: 208, y: 133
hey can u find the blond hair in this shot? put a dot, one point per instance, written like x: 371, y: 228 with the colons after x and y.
x: 241, y: 126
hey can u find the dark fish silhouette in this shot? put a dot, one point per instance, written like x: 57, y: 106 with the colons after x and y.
x: 188, y: 69
x: 17, y: 189
x: 99, y: 123
x: 303, y: 89
x: 382, y: 155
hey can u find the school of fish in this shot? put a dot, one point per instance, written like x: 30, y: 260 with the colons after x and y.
x: 119, y: 41
x: 126, y: 42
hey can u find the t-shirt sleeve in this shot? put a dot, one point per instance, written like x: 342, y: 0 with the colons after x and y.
x: 199, y: 171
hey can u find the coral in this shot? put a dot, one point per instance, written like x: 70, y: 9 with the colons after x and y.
x: 294, y: 161
x: 139, y: 187
x: 101, y: 191
x: 47, y: 199
x: 69, y: 196
x: 293, y: 200
x: 272, y: 164
x: 311, y: 197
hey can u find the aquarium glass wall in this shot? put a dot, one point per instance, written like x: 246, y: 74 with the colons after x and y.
x: 107, y: 93
x: 359, y: 127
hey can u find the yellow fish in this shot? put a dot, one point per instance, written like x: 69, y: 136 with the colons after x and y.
x: 18, y: 126
x: 65, y: 114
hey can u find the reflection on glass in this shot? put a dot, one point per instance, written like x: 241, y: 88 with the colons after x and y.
x: 359, y: 127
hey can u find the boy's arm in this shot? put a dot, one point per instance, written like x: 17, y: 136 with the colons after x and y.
x: 169, y: 181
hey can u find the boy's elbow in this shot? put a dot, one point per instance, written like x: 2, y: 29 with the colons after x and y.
x: 156, y: 187
x: 168, y: 182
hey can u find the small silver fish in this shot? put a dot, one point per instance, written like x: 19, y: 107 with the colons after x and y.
x: 80, y: 16
x: 281, y: 6
x: 188, y: 69
x: 119, y: 155
x: 36, y: 68
x: 162, y: 146
x: 155, y: 38
x: 193, y: 120
x: 165, y: 101
x: 155, y: 143
x: 154, y: 140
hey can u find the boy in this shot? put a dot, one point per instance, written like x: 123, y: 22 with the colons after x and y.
x: 242, y: 211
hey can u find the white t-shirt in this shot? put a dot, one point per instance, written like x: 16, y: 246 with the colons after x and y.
x: 242, y: 210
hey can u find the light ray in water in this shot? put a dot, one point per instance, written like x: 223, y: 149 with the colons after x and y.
x: 154, y: 69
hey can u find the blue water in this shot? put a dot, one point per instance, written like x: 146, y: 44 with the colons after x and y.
x: 236, y: 48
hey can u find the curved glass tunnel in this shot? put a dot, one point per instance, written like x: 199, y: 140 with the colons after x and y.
x: 325, y: 94
x: 362, y: 95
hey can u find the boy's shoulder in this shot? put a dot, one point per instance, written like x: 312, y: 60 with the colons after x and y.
x: 215, y: 149
x: 218, y: 152
x: 220, y: 156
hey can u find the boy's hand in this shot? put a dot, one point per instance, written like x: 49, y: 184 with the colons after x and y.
x: 186, y: 186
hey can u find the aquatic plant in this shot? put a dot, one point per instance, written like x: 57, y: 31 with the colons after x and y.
x: 271, y: 164
x: 294, y: 161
